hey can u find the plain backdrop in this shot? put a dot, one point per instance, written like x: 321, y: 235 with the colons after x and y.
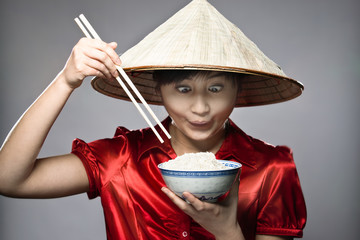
x: 314, y: 41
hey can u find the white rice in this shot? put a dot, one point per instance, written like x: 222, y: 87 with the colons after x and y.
x: 202, y: 161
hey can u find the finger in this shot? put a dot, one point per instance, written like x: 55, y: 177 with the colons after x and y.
x: 104, y: 60
x: 113, y: 45
x: 115, y: 57
x: 187, y: 208
x: 98, y: 69
x: 173, y: 197
x: 89, y: 71
x: 102, y: 52
x: 195, y: 202
x: 108, y: 49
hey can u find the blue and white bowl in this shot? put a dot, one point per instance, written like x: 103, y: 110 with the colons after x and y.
x: 208, y: 186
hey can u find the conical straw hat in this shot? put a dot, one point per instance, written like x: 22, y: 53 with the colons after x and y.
x: 199, y: 37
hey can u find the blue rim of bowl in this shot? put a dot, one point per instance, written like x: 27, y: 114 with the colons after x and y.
x: 206, y: 173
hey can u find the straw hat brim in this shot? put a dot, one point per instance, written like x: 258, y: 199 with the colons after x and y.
x: 257, y: 88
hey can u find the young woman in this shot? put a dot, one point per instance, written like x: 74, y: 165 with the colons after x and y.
x: 268, y: 203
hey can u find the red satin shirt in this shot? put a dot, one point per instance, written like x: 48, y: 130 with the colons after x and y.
x: 123, y: 171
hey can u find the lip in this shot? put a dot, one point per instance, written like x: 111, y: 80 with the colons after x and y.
x: 199, y: 124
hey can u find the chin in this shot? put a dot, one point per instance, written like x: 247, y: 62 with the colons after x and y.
x: 200, y: 136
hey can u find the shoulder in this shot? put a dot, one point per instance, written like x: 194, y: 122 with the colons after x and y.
x: 275, y: 158
x: 252, y: 151
x: 123, y: 142
x: 276, y: 163
x: 274, y: 152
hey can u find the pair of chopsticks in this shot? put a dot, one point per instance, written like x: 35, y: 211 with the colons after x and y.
x: 92, y: 34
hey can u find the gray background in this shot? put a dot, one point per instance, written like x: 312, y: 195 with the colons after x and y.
x: 315, y: 42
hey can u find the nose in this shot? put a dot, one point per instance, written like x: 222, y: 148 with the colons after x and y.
x: 200, y: 105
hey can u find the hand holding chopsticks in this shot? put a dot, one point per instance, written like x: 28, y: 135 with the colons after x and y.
x: 92, y: 34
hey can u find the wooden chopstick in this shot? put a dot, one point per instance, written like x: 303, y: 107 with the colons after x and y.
x: 127, y: 79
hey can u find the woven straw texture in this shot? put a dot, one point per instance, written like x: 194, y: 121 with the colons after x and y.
x: 198, y: 37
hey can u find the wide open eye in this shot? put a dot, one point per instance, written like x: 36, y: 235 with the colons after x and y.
x: 183, y: 89
x: 215, y: 88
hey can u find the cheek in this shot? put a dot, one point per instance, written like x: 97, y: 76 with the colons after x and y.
x: 173, y: 105
x: 222, y: 110
x: 224, y: 104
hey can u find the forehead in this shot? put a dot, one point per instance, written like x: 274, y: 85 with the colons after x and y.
x: 206, y: 75
x: 164, y: 77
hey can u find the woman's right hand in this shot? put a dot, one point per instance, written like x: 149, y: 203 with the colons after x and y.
x: 91, y: 57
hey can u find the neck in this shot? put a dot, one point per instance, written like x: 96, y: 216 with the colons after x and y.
x: 182, y: 144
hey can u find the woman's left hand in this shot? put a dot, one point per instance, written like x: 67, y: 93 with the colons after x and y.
x: 212, y: 215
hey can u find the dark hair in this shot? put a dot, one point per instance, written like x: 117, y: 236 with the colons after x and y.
x: 164, y: 77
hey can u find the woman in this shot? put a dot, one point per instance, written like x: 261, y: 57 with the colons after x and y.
x: 268, y: 204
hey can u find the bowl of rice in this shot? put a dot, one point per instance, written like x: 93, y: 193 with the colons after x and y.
x: 200, y: 174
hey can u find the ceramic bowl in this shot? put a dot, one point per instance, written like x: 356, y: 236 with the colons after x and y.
x: 208, y: 186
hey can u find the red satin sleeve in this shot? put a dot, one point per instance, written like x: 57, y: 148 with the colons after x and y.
x: 83, y: 151
x: 282, y: 209
x: 101, y: 159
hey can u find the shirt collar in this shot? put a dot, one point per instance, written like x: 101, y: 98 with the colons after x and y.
x: 237, y: 144
x: 150, y: 141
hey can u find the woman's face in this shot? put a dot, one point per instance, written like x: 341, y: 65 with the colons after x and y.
x: 199, y: 106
